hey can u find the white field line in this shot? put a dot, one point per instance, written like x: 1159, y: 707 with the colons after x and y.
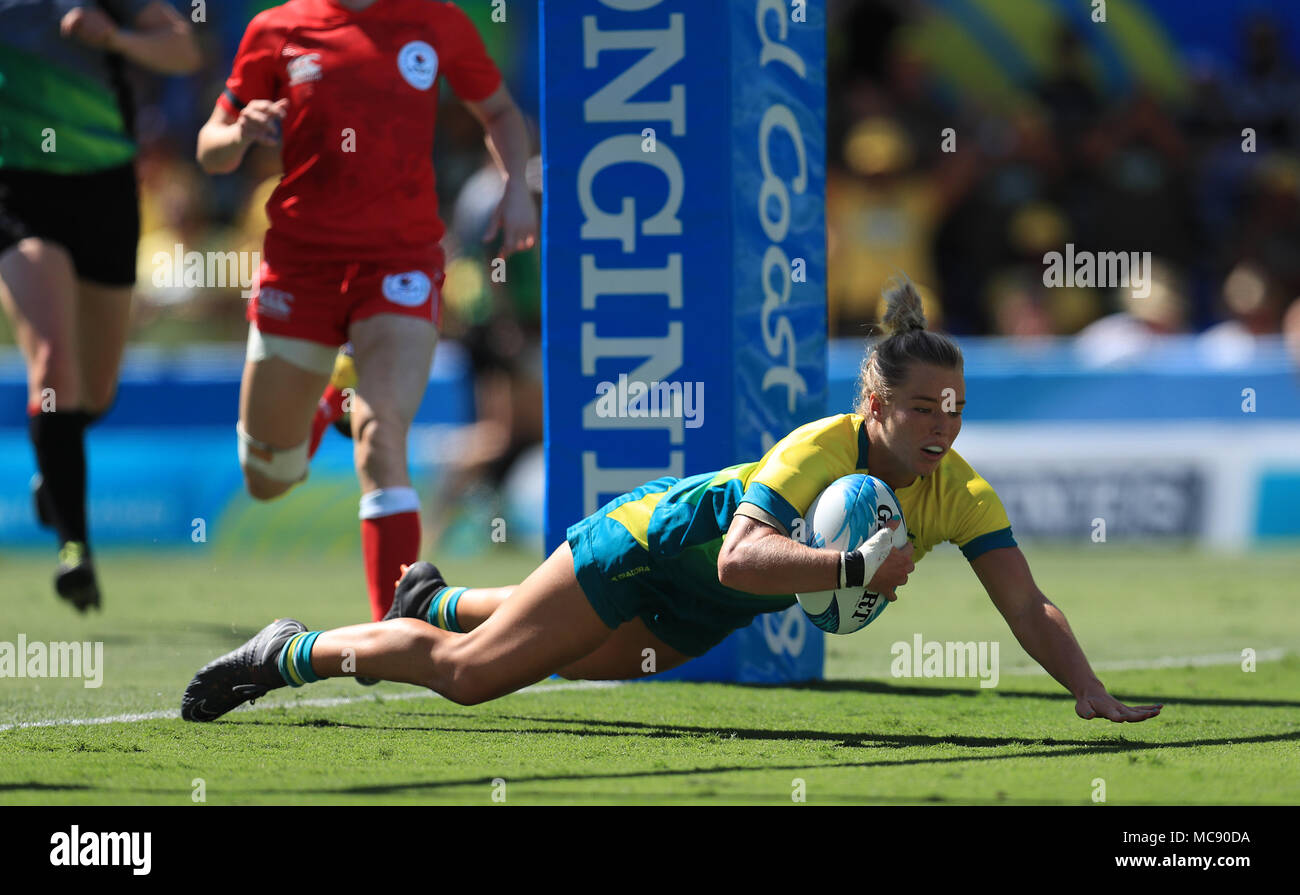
x: 301, y: 703
x: 1204, y: 660
x: 1207, y: 659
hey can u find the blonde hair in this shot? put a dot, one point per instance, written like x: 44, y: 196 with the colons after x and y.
x: 905, y: 341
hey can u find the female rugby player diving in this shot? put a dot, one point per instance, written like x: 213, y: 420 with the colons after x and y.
x: 675, y: 566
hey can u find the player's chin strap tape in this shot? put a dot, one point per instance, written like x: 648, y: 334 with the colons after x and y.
x: 279, y: 464
x: 857, y: 567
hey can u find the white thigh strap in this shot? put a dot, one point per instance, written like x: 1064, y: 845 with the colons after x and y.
x: 309, y: 355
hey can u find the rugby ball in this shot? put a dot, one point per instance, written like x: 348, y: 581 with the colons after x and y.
x: 845, y: 515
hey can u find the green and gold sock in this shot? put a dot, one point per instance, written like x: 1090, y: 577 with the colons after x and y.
x: 442, y: 609
x: 295, y: 659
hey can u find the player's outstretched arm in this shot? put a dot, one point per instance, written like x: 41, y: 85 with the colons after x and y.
x: 1043, y: 631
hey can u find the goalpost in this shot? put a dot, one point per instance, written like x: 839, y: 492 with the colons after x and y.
x: 683, y: 239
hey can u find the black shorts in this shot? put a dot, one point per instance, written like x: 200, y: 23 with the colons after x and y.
x: 96, y: 217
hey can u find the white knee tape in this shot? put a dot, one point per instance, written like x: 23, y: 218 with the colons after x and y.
x: 278, y: 464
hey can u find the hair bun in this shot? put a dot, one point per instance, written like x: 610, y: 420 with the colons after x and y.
x: 903, y: 311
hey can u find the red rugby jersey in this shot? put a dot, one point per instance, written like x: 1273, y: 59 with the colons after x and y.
x: 357, y: 141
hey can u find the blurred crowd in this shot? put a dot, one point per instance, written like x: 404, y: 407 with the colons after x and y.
x: 964, y: 195
x: 970, y: 218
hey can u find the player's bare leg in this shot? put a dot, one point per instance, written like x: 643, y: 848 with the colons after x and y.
x: 631, y: 652
x: 427, y: 597
x: 423, y: 593
x: 276, y: 402
x: 546, y: 625
x: 39, y: 292
x: 38, y: 289
x: 477, y: 604
x: 530, y: 635
x: 621, y: 657
x: 103, y: 323
x: 393, y: 354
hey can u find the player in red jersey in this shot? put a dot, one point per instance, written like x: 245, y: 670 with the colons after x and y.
x: 348, y: 90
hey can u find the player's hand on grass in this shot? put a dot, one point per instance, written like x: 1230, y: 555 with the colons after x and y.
x: 516, y: 218
x: 1095, y: 702
x: 259, y: 122
x: 90, y: 25
x: 894, y: 570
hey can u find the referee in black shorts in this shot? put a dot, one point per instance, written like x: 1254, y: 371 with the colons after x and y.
x: 69, y: 223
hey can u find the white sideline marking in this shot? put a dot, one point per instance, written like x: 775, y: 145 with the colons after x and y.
x: 1207, y: 659
x: 1265, y: 655
x: 301, y: 703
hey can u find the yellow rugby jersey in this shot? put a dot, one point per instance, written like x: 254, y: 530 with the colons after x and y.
x: 953, y: 503
x: 656, y: 548
x: 683, y: 522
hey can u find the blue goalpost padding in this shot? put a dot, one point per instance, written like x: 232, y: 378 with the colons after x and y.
x: 683, y: 144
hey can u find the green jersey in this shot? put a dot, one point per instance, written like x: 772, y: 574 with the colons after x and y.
x: 63, y: 105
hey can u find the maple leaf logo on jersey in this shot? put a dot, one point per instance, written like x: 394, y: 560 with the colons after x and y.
x: 304, y: 69
x: 418, y: 63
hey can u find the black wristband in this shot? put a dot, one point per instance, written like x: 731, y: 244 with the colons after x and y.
x: 855, y: 569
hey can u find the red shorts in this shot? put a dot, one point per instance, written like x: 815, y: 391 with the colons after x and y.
x: 318, y: 301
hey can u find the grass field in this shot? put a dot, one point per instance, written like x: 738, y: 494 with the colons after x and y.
x: 1226, y: 736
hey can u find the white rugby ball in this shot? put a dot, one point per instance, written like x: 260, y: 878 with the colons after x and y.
x: 843, y: 517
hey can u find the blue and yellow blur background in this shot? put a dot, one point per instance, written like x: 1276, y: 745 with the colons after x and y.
x: 1171, y: 128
